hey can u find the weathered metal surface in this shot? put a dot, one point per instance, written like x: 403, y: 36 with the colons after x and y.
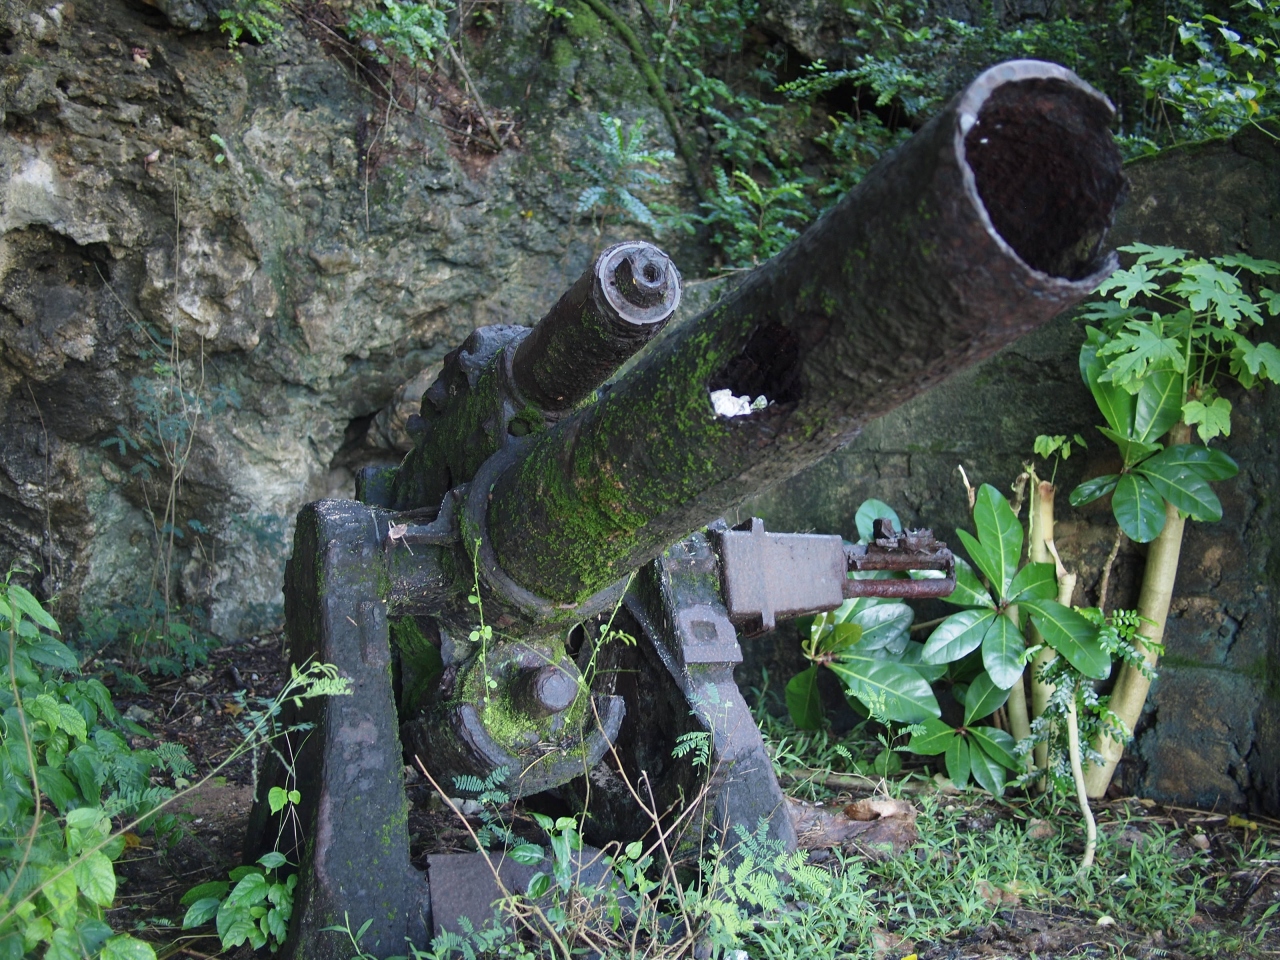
x: 509, y: 381
x: 905, y: 281
x: 772, y: 575
x: 353, y: 848
x: 985, y: 224
x: 909, y: 550
x: 614, y: 309
x: 680, y: 674
x: 767, y: 576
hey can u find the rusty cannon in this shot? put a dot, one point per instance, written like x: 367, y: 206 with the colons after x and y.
x: 471, y: 593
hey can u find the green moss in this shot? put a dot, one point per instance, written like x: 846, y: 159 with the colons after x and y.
x: 585, y: 25
x: 562, y: 54
x: 420, y: 664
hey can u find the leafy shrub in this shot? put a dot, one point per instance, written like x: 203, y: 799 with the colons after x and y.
x: 624, y: 167
x: 257, y: 909
x: 1230, y: 82
x: 62, y: 747
x: 1175, y: 323
x: 414, y: 31
x: 751, y: 222
x: 259, y: 19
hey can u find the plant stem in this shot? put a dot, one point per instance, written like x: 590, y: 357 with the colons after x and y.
x: 1131, y: 688
x: 1016, y: 705
x: 1040, y: 535
x: 656, y: 90
x: 1082, y: 794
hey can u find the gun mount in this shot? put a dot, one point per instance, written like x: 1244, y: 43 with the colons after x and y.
x: 551, y: 501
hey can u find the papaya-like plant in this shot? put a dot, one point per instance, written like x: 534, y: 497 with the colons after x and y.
x: 1153, y: 358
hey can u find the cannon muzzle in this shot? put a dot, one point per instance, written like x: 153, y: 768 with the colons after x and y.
x: 987, y: 223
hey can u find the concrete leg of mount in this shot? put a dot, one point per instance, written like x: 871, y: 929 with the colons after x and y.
x: 350, y: 837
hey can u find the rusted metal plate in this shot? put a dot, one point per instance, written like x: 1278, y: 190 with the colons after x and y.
x: 909, y: 550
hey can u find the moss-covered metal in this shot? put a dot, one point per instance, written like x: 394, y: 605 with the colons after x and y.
x: 903, y: 283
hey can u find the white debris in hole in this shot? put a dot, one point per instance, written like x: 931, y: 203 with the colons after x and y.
x: 727, y: 405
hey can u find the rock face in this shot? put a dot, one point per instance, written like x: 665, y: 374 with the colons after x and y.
x: 1211, y: 734
x: 219, y: 268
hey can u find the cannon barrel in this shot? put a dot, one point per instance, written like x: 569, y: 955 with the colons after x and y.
x: 615, y: 308
x: 987, y: 223
x: 509, y: 381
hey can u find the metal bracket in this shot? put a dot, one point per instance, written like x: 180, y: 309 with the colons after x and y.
x: 768, y: 576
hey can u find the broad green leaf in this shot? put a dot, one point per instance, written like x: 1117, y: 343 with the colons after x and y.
x: 96, y: 878
x: 92, y: 934
x: 55, y: 785
x: 1185, y: 489
x: 1213, y: 420
x: 212, y: 890
x: 803, y: 702
x: 1091, y: 490
x: 957, y: 636
x: 277, y: 799
x: 251, y: 889
x: 1125, y: 285
x: 70, y: 720
x: 1034, y: 580
x: 239, y: 873
x: 539, y: 884
x: 64, y: 945
x: 969, y: 591
x: 125, y: 947
x: 1208, y: 463
x: 1261, y: 360
x: 1115, y: 403
x: 868, y: 513
x: 272, y: 860
x: 1138, y: 351
x: 1138, y: 508
x: 1164, y: 256
x: 983, y: 698
x: 54, y: 653
x: 60, y: 892
x: 839, y: 635
x: 200, y: 913
x: 884, y: 626
x: 526, y: 853
x: 277, y: 925
x: 1002, y: 649
x: 1206, y: 286
x: 238, y: 928
x: 891, y: 690
x: 86, y: 819
x: 981, y: 559
x: 1262, y: 268
x: 912, y: 655
x: 933, y: 739
x: 1000, y: 535
x: 1158, y: 405
x: 958, y: 762
x: 989, y: 774
x: 1071, y: 635
x: 997, y: 745
x: 1133, y: 451
x: 24, y: 601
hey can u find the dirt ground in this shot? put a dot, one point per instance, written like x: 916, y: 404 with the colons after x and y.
x: 200, y: 712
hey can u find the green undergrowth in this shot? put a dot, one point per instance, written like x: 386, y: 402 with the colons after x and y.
x: 978, y: 858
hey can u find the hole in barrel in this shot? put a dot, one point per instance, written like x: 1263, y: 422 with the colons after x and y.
x: 1048, y: 173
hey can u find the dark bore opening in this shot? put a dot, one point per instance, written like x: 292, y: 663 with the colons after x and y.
x: 768, y: 367
x: 1048, y: 173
